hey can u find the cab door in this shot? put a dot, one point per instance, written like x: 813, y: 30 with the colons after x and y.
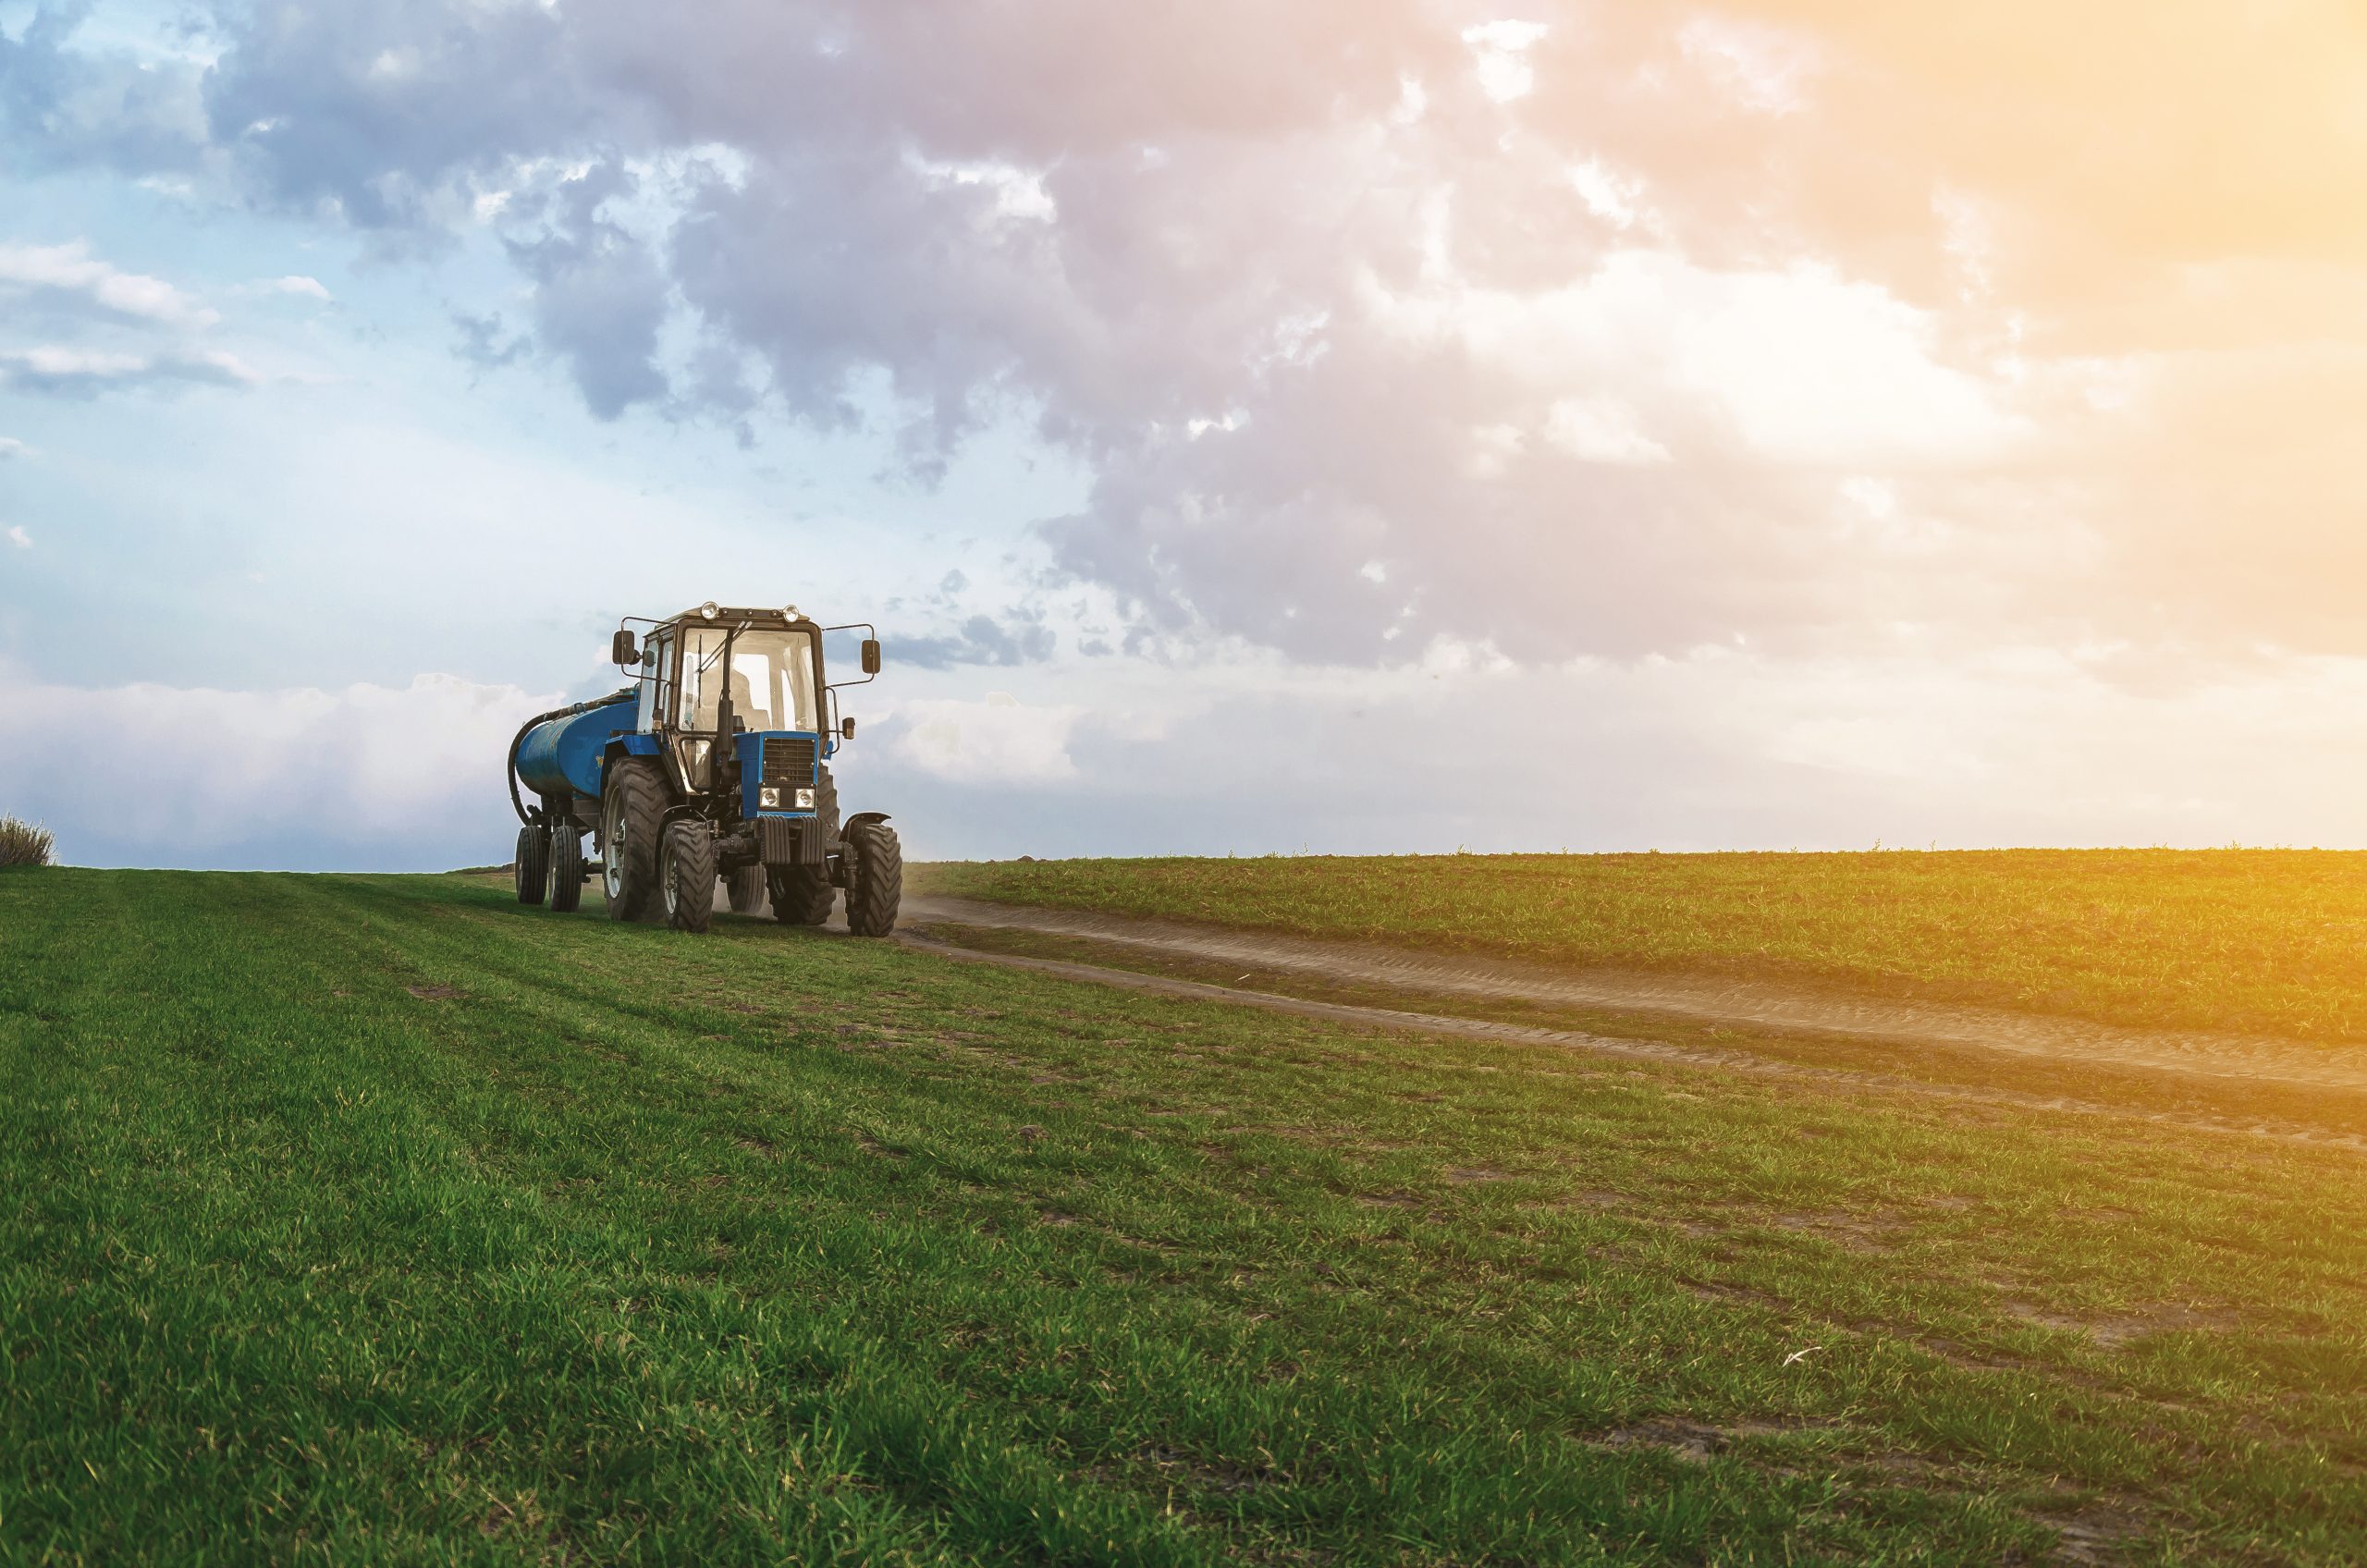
x: 656, y: 683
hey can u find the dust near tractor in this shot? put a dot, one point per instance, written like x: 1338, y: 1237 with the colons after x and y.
x: 714, y: 762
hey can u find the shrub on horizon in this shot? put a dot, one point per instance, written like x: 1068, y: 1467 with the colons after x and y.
x: 23, y: 844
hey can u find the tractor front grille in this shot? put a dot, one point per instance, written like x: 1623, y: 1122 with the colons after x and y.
x: 789, y: 762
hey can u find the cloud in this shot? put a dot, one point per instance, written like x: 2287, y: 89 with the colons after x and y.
x: 19, y: 538
x: 1718, y: 749
x: 12, y: 447
x: 480, y: 344
x: 981, y: 640
x: 63, y: 371
x: 1497, y: 48
x: 994, y: 742
x: 116, y: 330
x: 1575, y: 317
x: 68, y: 276
x: 378, y: 114
x: 599, y: 294
x: 308, y: 287
x: 66, y: 108
x: 365, y: 775
x: 1601, y: 430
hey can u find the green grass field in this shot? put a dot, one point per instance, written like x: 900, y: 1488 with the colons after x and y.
x: 375, y: 1219
x: 2271, y: 941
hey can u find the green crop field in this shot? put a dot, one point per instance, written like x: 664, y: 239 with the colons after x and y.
x: 375, y: 1219
x: 2252, y: 940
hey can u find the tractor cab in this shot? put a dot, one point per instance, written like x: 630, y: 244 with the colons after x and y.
x: 718, y: 688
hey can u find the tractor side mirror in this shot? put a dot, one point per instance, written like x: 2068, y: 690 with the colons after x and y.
x: 871, y: 655
x: 846, y: 729
x: 620, y: 648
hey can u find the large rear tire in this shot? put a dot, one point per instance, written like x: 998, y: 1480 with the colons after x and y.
x: 801, y: 895
x: 875, y: 878
x: 686, y: 870
x: 534, y: 858
x: 632, y: 812
x: 746, y: 889
x: 567, y: 868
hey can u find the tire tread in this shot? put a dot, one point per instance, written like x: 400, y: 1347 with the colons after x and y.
x: 692, y: 858
x: 642, y: 806
x: 875, y: 880
x: 566, y: 876
x: 801, y: 895
x: 534, y: 864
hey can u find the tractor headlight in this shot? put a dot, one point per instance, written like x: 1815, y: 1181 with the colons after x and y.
x: 805, y: 800
x: 768, y: 797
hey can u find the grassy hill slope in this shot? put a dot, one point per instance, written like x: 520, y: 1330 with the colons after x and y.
x: 375, y: 1219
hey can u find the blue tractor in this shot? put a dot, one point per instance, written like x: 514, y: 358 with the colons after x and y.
x: 714, y: 762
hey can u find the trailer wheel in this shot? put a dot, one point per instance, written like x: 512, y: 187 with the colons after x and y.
x: 746, y: 888
x: 534, y: 854
x: 875, y: 880
x: 803, y: 895
x: 686, y: 871
x: 632, y: 808
x: 567, y: 868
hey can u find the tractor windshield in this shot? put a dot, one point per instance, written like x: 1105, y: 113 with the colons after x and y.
x: 771, y: 680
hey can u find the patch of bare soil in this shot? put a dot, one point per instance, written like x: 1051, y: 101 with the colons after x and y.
x: 1693, y: 1440
x: 2093, y: 1534
x: 1859, y: 1233
x: 2112, y: 1330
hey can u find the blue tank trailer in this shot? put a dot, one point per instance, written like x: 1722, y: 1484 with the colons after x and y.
x: 713, y: 762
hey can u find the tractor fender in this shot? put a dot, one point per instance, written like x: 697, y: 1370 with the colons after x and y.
x: 843, y: 860
x: 633, y: 744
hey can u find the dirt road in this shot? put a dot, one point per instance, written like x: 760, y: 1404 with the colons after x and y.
x: 1737, y: 1003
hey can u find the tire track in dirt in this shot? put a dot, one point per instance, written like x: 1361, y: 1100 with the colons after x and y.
x: 1744, y: 1003
x: 1605, y: 1044
x: 2236, y: 1057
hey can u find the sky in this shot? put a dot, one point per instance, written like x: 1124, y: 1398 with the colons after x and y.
x: 1336, y: 426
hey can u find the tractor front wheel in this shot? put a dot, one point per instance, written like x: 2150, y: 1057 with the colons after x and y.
x: 567, y: 868
x: 801, y: 895
x: 534, y: 856
x: 632, y: 809
x: 686, y: 871
x: 875, y: 878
